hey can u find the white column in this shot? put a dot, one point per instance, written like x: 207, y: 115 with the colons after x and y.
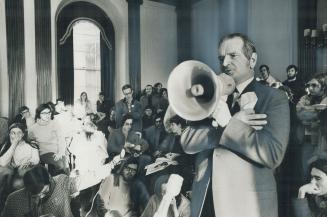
x: 4, y: 87
x: 30, y: 62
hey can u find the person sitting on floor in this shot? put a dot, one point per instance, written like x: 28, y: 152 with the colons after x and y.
x: 314, y: 193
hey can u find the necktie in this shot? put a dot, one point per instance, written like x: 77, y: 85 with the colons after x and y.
x: 235, y: 107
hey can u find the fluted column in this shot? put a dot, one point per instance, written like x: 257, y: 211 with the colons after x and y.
x: 43, y: 50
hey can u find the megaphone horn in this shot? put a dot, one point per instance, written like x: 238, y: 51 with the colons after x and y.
x: 194, y: 89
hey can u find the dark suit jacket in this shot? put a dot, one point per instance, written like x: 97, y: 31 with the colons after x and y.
x: 244, y: 159
x: 116, y: 141
x: 158, y: 139
x: 121, y: 109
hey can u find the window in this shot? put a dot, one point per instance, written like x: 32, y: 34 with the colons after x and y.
x: 87, y: 62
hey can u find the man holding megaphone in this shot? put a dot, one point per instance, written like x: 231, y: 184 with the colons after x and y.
x: 236, y: 160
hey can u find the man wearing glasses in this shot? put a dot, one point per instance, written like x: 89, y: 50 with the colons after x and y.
x: 129, y: 105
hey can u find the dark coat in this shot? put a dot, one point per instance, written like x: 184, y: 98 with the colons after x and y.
x: 158, y: 139
x: 121, y: 109
x: 117, y: 140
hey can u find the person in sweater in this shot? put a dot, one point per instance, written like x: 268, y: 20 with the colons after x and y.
x: 49, y: 137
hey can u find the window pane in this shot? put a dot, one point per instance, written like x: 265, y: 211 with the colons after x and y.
x: 87, y: 69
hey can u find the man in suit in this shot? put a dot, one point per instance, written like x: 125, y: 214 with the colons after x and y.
x: 129, y: 105
x: 125, y: 138
x: 238, y: 158
x: 156, y: 135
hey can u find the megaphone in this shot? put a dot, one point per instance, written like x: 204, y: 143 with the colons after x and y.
x: 194, y: 89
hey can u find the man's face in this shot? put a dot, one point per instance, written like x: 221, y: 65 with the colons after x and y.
x: 314, y: 87
x: 233, y: 62
x: 101, y: 97
x: 319, y: 180
x: 127, y: 125
x: 264, y: 73
x: 148, y: 112
x: 158, y: 87
x: 129, y: 172
x: 175, y: 128
x: 291, y: 73
x: 148, y: 90
x: 158, y: 122
x: 128, y: 93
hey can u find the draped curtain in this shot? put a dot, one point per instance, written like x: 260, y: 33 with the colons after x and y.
x: 43, y: 49
x: 66, y: 70
x: 66, y: 18
x: 107, y: 70
x: 15, y: 54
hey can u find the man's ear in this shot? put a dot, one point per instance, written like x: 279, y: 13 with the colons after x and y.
x: 253, y: 60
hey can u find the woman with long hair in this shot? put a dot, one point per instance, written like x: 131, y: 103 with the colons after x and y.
x: 312, y: 197
x: 82, y: 106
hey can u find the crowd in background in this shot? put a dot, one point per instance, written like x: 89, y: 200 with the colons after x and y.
x: 43, y: 157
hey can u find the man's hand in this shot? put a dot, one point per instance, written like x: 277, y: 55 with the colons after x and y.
x: 129, y: 145
x: 307, y: 189
x: 257, y: 121
x: 137, y: 148
x: 221, y: 113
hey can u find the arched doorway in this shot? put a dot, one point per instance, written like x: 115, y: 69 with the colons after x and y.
x: 67, y: 17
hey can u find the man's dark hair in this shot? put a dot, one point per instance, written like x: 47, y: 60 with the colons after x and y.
x: 248, y: 46
x: 178, y: 120
x: 290, y: 67
x: 126, y: 86
x: 23, y: 108
x: 125, y: 117
x: 59, y: 99
x: 157, y: 84
x: 320, y: 164
x: 160, y: 115
x: 264, y: 66
x: 101, y: 93
x: 36, y: 178
x: 322, y: 79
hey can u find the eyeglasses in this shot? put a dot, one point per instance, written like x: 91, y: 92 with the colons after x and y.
x: 46, y: 113
x: 129, y: 93
x: 128, y: 123
x: 131, y: 170
x: 312, y: 85
x: 13, y: 133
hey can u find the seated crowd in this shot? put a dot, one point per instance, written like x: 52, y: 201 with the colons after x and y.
x: 120, y: 160
x: 91, y: 160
